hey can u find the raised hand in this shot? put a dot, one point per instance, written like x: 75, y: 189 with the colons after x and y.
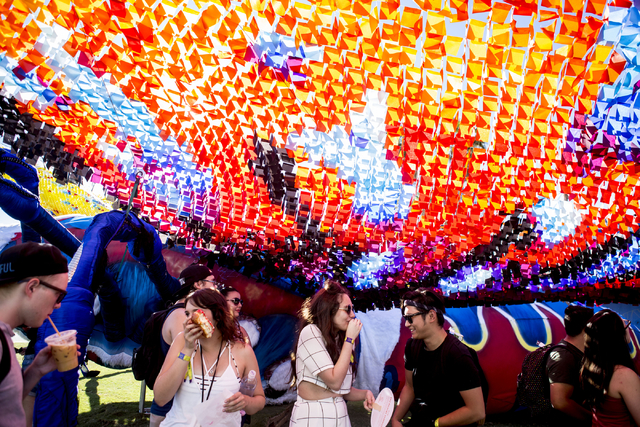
x: 192, y: 332
x: 44, y: 361
x: 353, y: 330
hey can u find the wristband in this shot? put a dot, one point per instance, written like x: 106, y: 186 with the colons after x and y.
x: 189, y: 374
x: 436, y: 423
x: 349, y: 340
x: 184, y: 357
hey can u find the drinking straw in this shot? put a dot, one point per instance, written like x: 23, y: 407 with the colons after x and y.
x: 54, y: 325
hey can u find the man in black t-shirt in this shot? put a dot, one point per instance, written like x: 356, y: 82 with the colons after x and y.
x: 563, y: 369
x: 442, y: 384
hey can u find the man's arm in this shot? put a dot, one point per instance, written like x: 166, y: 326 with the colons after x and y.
x: 42, y: 364
x: 471, y: 412
x: 561, y: 400
x: 30, y: 379
x: 562, y: 370
x: 406, y: 399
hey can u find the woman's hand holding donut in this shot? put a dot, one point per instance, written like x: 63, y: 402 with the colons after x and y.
x: 353, y: 330
x: 192, y: 332
x: 235, y: 403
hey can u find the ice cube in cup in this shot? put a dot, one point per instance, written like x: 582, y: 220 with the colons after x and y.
x: 64, y: 349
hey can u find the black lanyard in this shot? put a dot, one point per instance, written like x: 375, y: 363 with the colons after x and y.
x: 214, y: 372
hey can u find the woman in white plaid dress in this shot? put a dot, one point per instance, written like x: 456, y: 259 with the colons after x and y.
x: 324, y: 364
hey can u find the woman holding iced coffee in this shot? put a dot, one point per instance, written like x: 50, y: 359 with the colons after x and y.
x: 324, y: 366
x: 203, y: 374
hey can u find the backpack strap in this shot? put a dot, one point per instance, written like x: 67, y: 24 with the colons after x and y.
x: 164, y: 315
x: 416, y: 346
x: 446, y: 348
x: 550, y: 349
x: 449, y: 342
x: 547, y: 388
x: 571, y: 349
x: 5, y: 363
x: 167, y: 312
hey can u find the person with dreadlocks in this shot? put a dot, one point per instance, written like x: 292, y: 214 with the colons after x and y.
x: 324, y: 366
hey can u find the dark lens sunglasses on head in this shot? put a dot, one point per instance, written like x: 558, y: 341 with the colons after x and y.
x: 425, y: 308
x: 61, y: 293
x: 235, y: 301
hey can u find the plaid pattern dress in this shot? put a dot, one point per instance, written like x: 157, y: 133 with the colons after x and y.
x: 312, y: 358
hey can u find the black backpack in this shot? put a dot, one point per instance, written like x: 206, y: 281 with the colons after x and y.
x: 533, y: 382
x: 417, y: 345
x: 148, y: 358
x: 5, y: 363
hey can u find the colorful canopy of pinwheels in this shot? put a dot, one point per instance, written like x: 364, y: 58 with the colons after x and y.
x: 477, y: 145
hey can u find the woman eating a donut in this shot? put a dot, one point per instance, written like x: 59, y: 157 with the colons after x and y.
x: 204, y: 367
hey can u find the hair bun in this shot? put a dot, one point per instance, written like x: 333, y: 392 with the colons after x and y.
x: 333, y: 287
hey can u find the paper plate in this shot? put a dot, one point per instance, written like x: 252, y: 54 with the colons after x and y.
x: 382, y: 409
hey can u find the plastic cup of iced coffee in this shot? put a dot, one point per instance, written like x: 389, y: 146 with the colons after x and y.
x: 64, y: 349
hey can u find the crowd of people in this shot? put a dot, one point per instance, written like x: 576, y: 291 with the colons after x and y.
x: 592, y: 378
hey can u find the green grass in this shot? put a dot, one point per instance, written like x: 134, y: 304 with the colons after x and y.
x: 111, y: 399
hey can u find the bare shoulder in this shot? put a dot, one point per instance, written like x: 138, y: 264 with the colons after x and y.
x: 241, y: 349
x: 623, y: 379
x: 174, y: 323
x: 176, y: 316
x: 621, y: 372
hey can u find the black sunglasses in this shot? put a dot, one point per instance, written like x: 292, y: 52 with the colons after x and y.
x: 235, y: 301
x: 409, y: 317
x: 61, y: 293
x: 348, y: 309
x: 626, y: 323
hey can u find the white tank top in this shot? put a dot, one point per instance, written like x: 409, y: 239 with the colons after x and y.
x: 190, y: 393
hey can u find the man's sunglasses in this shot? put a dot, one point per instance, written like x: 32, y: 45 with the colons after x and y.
x: 235, y: 301
x: 348, y: 309
x: 627, y: 323
x: 409, y: 317
x: 61, y: 293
